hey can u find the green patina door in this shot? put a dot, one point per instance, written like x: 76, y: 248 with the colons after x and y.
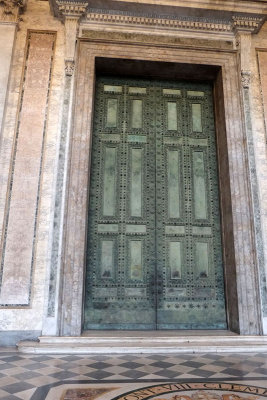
x: 154, y: 256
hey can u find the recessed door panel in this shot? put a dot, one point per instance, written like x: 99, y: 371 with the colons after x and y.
x: 109, y: 181
x: 174, y: 184
x: 112, y: 113
x: 154, y: 257
x: 136, y: 189
x: 199, y: 184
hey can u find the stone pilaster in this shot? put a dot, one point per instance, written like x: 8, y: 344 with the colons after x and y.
x: 71, y: 13
x: 244, y: 28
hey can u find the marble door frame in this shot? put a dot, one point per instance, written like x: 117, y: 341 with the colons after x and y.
x: 241, y: 271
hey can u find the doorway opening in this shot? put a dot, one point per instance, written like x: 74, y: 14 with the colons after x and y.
x: 155, y: 254
x: 233, y: 175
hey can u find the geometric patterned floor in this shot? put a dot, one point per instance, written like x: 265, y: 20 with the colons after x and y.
x: 26, y: 376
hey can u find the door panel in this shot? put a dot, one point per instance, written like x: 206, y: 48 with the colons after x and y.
x: 190, y: 291
x: 154, y: 258
x: 120, y: 284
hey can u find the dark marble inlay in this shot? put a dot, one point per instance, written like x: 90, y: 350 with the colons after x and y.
x: 85, y: 394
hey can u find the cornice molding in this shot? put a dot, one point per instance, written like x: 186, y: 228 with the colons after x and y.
x: 71, y: 9
x: 158, y: 22
x: 10, y: 10
x: 248, y: 24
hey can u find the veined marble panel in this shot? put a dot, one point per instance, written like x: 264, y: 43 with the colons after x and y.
x: 20, y: 235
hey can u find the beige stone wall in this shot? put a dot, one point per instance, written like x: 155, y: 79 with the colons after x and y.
x: 37, y: 18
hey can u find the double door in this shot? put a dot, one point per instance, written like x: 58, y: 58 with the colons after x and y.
x: 154, y: 253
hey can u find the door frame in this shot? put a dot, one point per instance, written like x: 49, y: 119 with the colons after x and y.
x: 240, y: 266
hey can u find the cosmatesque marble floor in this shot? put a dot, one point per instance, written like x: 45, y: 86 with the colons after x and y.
x: 133, y: 377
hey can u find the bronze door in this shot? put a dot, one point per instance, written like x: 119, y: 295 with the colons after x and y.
x: 154, y: 256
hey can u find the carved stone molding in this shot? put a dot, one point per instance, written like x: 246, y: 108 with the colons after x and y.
x: 248, y: 24
x: 10, y: 9
x: 69, y: 67
x: 71, y: 27
x: 72, y: 9
x: 244, y: 49
x: 71, y: 13
x: 187, y: 24
x: 245, y: 79
x: 113, y: 18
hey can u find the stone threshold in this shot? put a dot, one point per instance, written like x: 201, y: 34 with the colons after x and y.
x: 147, y: 342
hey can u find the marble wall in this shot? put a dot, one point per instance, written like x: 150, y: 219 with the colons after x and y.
x: 19, y: 241
x: 31, y: 149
